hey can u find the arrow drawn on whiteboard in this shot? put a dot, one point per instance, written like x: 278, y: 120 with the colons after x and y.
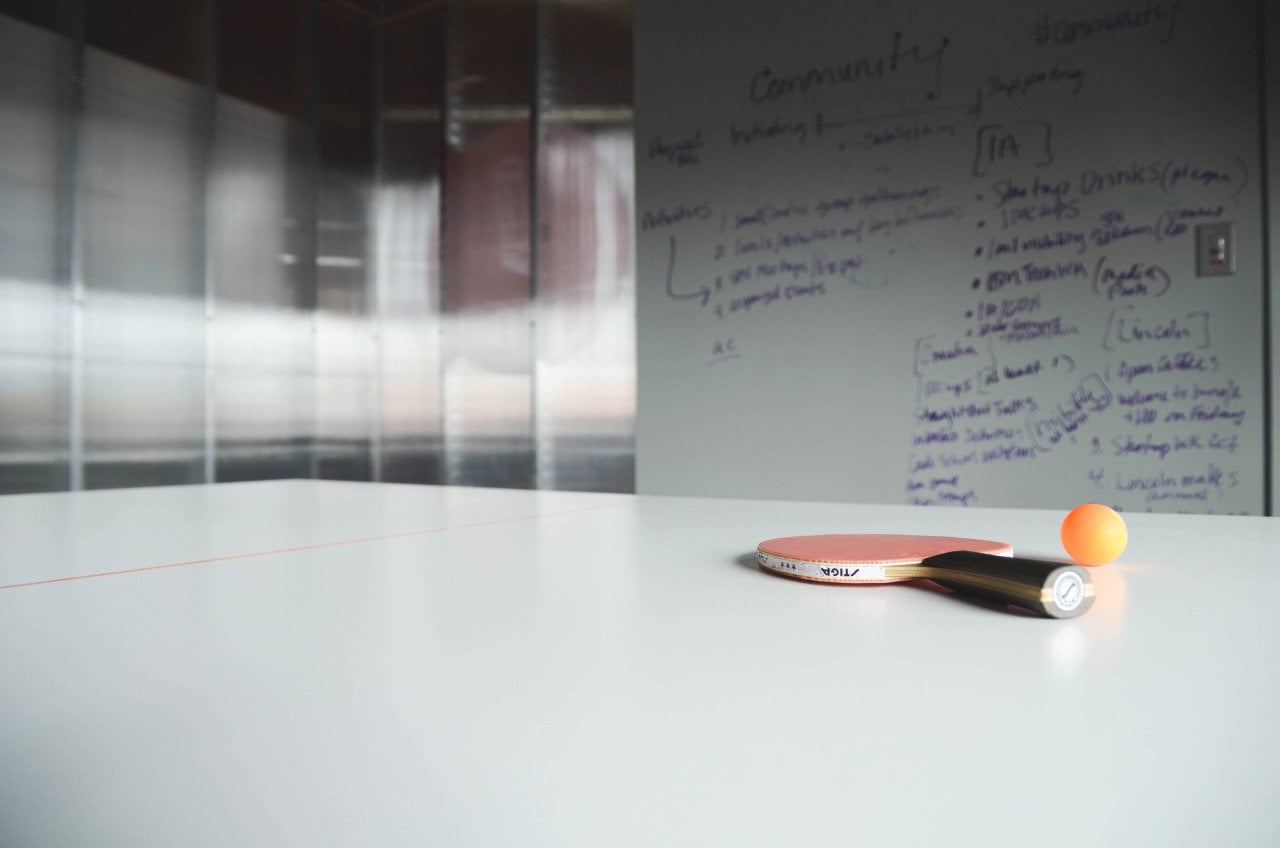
x: 704, y: 293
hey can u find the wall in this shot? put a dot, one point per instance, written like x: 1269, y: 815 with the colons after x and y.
x: 902, y: 252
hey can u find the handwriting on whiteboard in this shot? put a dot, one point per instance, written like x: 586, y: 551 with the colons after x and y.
x: 1060, y: 323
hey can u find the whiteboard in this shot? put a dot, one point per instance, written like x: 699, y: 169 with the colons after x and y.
x: 927, y: 253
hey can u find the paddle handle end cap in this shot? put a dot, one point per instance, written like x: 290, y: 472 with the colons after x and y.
x: 1053, y: 589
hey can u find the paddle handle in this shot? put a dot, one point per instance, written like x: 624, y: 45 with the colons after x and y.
x: 1055, y: 589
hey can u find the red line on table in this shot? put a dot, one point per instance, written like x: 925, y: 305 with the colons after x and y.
x: 318, y: 546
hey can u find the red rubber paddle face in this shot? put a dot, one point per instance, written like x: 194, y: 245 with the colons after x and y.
x: 862, y: 557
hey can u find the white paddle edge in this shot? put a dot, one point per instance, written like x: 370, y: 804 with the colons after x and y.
x: 834, y: 572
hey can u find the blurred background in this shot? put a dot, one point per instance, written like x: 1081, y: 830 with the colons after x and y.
x: 344, y: 239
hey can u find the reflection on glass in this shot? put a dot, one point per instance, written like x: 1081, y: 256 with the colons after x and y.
x: 260, y: 338
x: 142, y: 330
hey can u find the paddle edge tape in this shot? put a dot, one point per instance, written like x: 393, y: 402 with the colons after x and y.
x: 823, y: 572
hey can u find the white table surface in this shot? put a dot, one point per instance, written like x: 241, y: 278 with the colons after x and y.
x: 300, y: 663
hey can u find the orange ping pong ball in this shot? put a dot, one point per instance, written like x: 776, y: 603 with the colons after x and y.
x: 1094, y: 534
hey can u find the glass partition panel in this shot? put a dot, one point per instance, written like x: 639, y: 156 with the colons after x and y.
x: 35, y: 296
x: 584, y: 307
x: 346, y: 397
x: 262, y: 243
x: 410, y: 138
x: 488, y: 369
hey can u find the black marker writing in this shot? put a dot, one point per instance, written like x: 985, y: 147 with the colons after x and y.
x: 767, y: 85
x: 1158, y: 17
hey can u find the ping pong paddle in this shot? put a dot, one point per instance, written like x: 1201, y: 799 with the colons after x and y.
x: 975, y: 567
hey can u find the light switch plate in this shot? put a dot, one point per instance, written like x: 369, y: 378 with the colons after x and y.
x: 1216, y: 249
